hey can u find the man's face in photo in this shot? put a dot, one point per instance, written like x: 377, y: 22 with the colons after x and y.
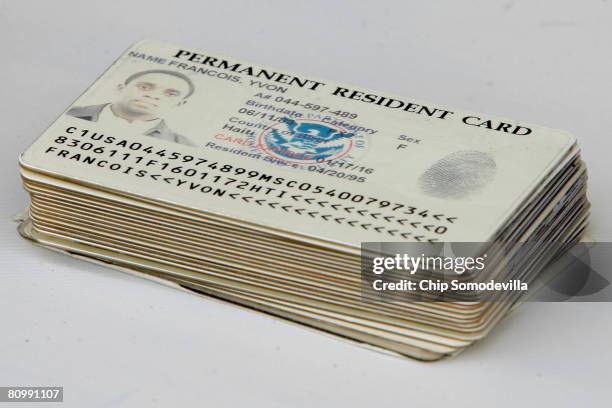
x: 152, y: 94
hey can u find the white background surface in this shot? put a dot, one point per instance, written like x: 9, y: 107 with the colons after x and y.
x: 113, y: 340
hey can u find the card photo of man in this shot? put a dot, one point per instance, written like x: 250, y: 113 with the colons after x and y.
x: 142, y: 101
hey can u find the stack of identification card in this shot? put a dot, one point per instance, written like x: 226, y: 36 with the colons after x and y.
x: 258, y: 186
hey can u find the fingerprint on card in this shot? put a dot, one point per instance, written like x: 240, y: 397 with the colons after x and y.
x: 458, y: 175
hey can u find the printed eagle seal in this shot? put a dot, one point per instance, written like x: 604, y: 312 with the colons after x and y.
x: 305, y: 141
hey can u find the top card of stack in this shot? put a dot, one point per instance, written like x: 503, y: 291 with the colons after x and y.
x: 294, y: 155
